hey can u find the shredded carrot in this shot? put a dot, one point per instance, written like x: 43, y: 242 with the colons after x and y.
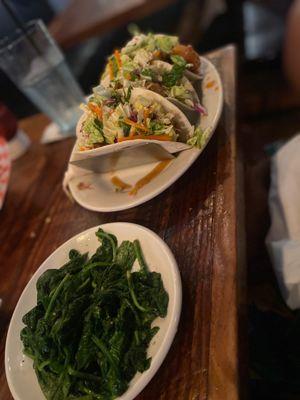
x: 127, y: 75
x: 136, y: 125
x: 163, y: 138
x: 157, y: 54
x: 149, y: 177
x: 132, y: 132
x: 110, y: 70
x: 95, y: 109
x: 146, y: 113
x: 118, y: 58
x: 119, y: 184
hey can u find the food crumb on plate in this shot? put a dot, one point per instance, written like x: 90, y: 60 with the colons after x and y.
x: 84, y: 186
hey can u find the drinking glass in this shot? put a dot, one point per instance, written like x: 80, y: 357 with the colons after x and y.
x: 36, y: 65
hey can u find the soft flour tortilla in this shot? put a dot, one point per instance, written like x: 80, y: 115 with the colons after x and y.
x: 184, y: 128
x: 182, y: 124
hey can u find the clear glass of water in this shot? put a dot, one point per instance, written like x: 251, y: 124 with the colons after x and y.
x: 37, y: 66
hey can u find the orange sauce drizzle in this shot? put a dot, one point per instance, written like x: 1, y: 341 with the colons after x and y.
x: 119, y: 184
x: 149, y: 177
x: 210, y: 84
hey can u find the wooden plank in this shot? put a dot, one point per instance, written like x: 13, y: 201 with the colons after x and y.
x: 198, y: 217
x: 228, y: 262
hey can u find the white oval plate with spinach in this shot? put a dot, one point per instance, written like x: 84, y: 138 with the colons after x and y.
x: 20, y: 374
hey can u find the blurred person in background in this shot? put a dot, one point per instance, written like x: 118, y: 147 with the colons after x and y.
x: 291, y: 49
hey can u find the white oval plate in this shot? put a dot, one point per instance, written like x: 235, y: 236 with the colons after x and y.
x: 20, y: 374
x: 96, y: 192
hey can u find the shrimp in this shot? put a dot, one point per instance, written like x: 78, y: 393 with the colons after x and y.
x: 189, y: 54
x: 155, y: 87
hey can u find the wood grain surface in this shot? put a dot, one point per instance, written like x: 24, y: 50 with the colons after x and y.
x: 199, y: 217
x: 82, y: 20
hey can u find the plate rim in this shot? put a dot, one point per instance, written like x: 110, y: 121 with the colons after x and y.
x: 171, y: 329
x: 175, y: 177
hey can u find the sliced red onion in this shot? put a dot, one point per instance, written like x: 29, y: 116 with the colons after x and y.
x: 200, y: 109
x: 109, y: 101
x: 133, y: 116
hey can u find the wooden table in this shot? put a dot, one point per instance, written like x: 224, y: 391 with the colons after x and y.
x: 200, y: 217
x: 82, y: 20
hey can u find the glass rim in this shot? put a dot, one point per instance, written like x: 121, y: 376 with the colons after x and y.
x: 10, y: 41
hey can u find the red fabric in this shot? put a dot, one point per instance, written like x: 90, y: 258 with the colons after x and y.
x: 8, y: 123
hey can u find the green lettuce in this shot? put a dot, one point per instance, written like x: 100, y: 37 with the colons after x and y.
x: 179, y: 92
x: 94, y: 128
x: 178, y: 60
x: 165, y: 43
x: 199, y: 138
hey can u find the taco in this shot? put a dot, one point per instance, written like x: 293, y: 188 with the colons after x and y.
x: 116, y: 116
x: 158, y: 76
x: 161, y: 47
x: 161, y: 64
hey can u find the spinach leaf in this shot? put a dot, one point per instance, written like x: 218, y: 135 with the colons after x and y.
x: 125, y: 255
x: 76, y: 262
x: 150, y: 293
x: 106, y: 252
x: 32, y: 317
x: 86, y: 349
x: 46, y: 283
